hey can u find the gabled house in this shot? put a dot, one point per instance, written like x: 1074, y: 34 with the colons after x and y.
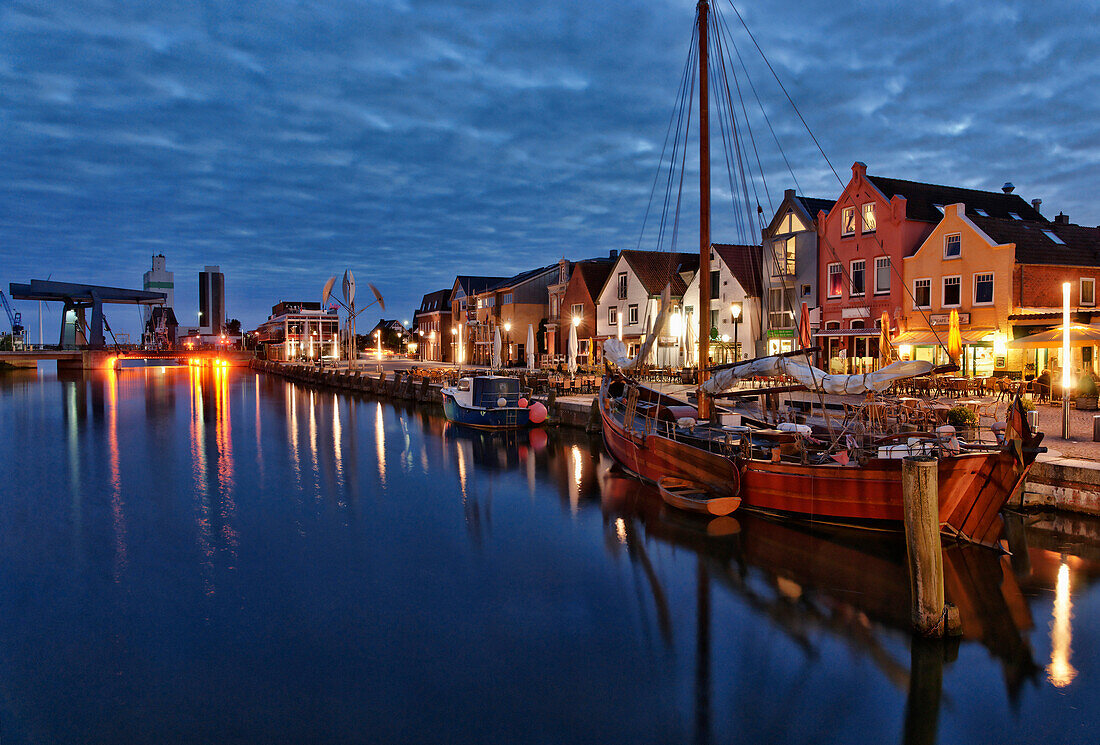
x: 464, y: 313
x: 631, y: 295
x: 735, y: 293
x: 790, y: 272
x: 510, y: 305
x: 1004, y: 278
x: 577, y: 307
x: 433, y: 323
x: 875, y: 224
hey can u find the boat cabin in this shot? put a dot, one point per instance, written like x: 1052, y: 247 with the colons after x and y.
x: 487, y: 392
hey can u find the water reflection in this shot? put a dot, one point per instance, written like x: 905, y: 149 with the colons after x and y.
x: 1060, y: 672
x: 522, y: 567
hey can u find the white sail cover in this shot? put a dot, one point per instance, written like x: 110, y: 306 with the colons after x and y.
x: 530, y: 347
x: 615, y: 351
x: 815, y: 379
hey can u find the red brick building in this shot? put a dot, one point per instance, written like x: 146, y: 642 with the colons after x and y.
x: 578, y: 305
x: 875, y: 223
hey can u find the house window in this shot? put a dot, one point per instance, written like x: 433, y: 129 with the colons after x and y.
x: 1013, y: 215
x: 834, y: 280
x: 807, y: 290
x: 952, y: 246
x: 1054, y: 237
x: 791, y: 224
x: 922, y: 293
x: 1088, y: 291
x: 576, y: 311
x: 612, y: 316
x: 882, y: 275
x: 848, y: 221
x: 714, y: 319
x: 632, y: 315
x: 859, y: 284
x: 983, y: 289
x: 981, y: 212
x: 622, y: 285
x: 715, y: 283
x: 952, y: 291
x: 780, y: 314
x: 506, y: 299
x: 784, y: 259
x: 869, y: 217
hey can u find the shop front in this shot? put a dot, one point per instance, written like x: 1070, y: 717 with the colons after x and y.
x: 983, y: 354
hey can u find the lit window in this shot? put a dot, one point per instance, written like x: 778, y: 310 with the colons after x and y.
x: 922, y: 293
x: 612, y: 316
x: 1054, y: 237
x: 952, y: 291
x: 983, y: 289
x: 882, y: 275
x: 848, y: 221
x: 869, y: 217
x: 1088, y: 291
x: 859, y: 284
x: 577, y: 311
x: 784, y: 260
x: 834, y: 284
x: 952, y: 246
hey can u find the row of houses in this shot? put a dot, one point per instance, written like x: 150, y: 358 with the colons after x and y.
x: 903, y: 251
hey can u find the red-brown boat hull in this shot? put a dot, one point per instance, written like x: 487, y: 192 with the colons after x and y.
x: 973, y: 487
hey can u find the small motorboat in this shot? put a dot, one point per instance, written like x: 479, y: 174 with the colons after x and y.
x: 692, y: 497
x: 487, y: 401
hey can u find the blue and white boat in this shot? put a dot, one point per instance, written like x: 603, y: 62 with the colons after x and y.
x: 486, y: 401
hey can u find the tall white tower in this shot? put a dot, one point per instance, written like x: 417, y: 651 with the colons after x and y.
x: 158, y: 279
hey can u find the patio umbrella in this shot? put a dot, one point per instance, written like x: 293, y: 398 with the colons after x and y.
x: 690, y: 356
x: 804, y: 327
x: 571, y: 349
x: 530, y: 346
x: 496, y: 348
x: 1080, y: 335
x: 954, y: 339
x: 884, y: 339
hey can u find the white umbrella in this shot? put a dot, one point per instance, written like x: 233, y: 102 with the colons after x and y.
x: 530, y: 346
x: 689, y: 354
x: 571, y: 359
x: 496, y: 347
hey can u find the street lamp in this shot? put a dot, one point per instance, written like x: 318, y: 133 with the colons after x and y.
x: 735, y: 311
x: 725, y: 343
x: 508, y: 338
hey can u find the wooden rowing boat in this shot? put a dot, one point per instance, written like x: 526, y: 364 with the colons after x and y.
x: 692, y: 497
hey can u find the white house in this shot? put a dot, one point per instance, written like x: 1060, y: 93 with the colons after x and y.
x: 629, y: 301
x: 735, y: 317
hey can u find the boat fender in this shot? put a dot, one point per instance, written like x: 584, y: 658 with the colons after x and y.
x: 502, y: 402
x: 523, y: 403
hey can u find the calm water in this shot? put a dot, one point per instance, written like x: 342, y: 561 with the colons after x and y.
x: 208, y: 556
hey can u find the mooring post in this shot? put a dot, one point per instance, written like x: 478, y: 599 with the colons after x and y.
x: 920, y: 505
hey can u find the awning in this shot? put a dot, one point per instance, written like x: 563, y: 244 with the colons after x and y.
x: 847, y: 332
x: 1080, y: 335
x: 920, y: 337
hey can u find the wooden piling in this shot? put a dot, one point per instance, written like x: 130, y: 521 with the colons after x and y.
x: 920, y: 504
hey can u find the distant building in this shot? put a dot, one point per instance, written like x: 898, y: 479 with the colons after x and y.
x: 159, y: 279
x: 299, y: 330
x: 734, y: 307
x: 433, y: 326
x: 211, y: 301
x: 161, y: 329
x: 577, y: 306
x: 464, y: 313
x: 509, y: 306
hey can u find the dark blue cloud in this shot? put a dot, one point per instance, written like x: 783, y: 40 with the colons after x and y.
x: 412, y: 141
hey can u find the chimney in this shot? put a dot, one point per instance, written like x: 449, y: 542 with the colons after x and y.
x: 788, y: 193
x: 1036, y: 203
x: 1008, y: 187
x: 613, y: 254
x: 1061, y: 219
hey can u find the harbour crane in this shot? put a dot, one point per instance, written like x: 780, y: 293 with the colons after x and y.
x: 15, y: 319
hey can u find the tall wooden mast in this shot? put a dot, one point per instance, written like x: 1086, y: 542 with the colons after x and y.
x: 704, y: 210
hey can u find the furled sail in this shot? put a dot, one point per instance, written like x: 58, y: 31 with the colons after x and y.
x: 816, y: 379
x: 615, y: 352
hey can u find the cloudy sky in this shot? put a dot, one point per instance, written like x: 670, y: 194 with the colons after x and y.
x: 286, y: 140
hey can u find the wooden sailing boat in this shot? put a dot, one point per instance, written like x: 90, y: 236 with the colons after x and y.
x: 786, y: 471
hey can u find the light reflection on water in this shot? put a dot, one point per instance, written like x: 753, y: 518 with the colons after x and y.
x: 447, y: 584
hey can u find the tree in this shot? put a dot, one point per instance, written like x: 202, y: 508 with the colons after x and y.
x: 232, y: 326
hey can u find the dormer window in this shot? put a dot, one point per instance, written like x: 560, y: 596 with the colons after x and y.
x: 1054, y: 237
x: 869, y: 217
x: 848, y: 221
x: 952, y: 246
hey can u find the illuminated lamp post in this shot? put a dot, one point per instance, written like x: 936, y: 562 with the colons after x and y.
x: 735, y: 311
x: 508, y: 339
x: 454, y: 346
x: 1065, y: 361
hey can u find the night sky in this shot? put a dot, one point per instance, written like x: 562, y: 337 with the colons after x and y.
x: 410, y: 141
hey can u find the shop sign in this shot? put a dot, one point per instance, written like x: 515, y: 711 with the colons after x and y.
x: 944, y: 319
